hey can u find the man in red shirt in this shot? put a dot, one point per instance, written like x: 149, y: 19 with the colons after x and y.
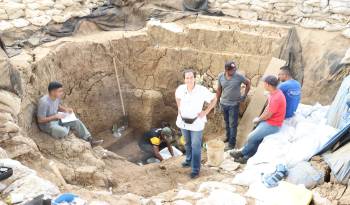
x: 269, y: 121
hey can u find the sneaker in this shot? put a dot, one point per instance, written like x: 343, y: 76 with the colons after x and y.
x: 241, y: 160
x: 194, y: 175
x: 229, y: 147
x: 185, y: 164
x: 95, y: 143
x: 236, y: 154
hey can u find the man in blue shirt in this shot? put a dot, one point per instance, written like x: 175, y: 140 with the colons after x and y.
x: 291, y: 90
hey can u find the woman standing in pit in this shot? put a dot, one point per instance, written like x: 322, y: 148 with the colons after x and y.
x: 191, y: 119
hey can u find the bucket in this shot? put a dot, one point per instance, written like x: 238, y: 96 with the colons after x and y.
x: 215, y: 152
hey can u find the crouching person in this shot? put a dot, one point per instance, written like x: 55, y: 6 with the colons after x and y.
x: 50, y: 120
x: 191, y: 118
x: 269, y: 121
x: 155, y: 140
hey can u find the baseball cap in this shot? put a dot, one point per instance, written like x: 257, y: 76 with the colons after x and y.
x: 230, y: 65
x: 167, y: 133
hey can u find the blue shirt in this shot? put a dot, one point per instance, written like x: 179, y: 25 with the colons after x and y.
x: 292, y: 91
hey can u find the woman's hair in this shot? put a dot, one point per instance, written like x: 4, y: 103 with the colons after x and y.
x: 189, y: 70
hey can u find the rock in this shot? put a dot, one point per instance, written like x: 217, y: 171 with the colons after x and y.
x: 33, y: 6
x: 130, y: 198
x: 210, y: 186
x: 29, y: 13
x: 59, y: 6
x: 19, y: 146
x: 10, y: 100
x: 53, y: 12
x: 319, y: 200
x: 187, y: 195
x: 346, y: 33
x: 5, y: 117
x: 9, y: 127
x: 61, y: 18
x: 14, y: 10
x: 32, y: 186
x: 19, y: 170
x: 3, y: 154
x: 5, y: 25
x: 20, y: 23
x: 3, y: 14
x: 249, y: 15
x: 346, y: 58
x: 345, y: 199
x: 34, y: 41
x: 66, y: 3
x: 40, y: 20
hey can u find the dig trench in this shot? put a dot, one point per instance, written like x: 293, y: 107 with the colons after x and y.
x: 149, y: 62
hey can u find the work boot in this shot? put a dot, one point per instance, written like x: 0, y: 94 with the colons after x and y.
x: 241, y: 160
x: 229, y: 147
x: 236, y: 154
x: 194, y: 175
x: 185, y: 164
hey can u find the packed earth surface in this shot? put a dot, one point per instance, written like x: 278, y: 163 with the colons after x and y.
x: 150, y: 55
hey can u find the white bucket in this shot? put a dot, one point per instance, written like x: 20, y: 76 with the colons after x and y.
x: 215, y: 152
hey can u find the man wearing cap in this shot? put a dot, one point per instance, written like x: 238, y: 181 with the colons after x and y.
x: 269, y: 122
x: 155, y: 140
x: 229, y: 94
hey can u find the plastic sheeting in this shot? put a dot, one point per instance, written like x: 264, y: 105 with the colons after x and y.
x: 339, y: 162
x: 299, y: 139
x: 339, y: 107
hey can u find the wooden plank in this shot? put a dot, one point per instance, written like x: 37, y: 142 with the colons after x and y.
x: 257, y: 103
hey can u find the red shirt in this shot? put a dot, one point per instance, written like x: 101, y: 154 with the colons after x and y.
x: 276, y: 106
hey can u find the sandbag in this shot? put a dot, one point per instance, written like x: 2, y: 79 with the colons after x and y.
x: 304, y: 173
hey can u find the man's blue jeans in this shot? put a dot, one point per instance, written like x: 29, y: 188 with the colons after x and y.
x: 231, y: 113
x: 256, y: 137
x: 193, y: 148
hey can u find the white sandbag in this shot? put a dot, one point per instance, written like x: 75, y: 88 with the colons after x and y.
x: 222, y: 197
x: 303, y: 173
x: 311, y: 138
x: 252, y: 174
x: 166, y: 154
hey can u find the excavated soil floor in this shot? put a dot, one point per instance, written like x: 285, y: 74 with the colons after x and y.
x: 150, y: 62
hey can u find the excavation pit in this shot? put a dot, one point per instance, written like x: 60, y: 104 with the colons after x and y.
x: 149, y: 62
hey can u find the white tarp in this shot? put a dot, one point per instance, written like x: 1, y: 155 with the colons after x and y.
x: 298, y: 140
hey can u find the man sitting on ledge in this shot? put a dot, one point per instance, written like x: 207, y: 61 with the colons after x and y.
x: 268, y: 123
x: 49, y: 118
